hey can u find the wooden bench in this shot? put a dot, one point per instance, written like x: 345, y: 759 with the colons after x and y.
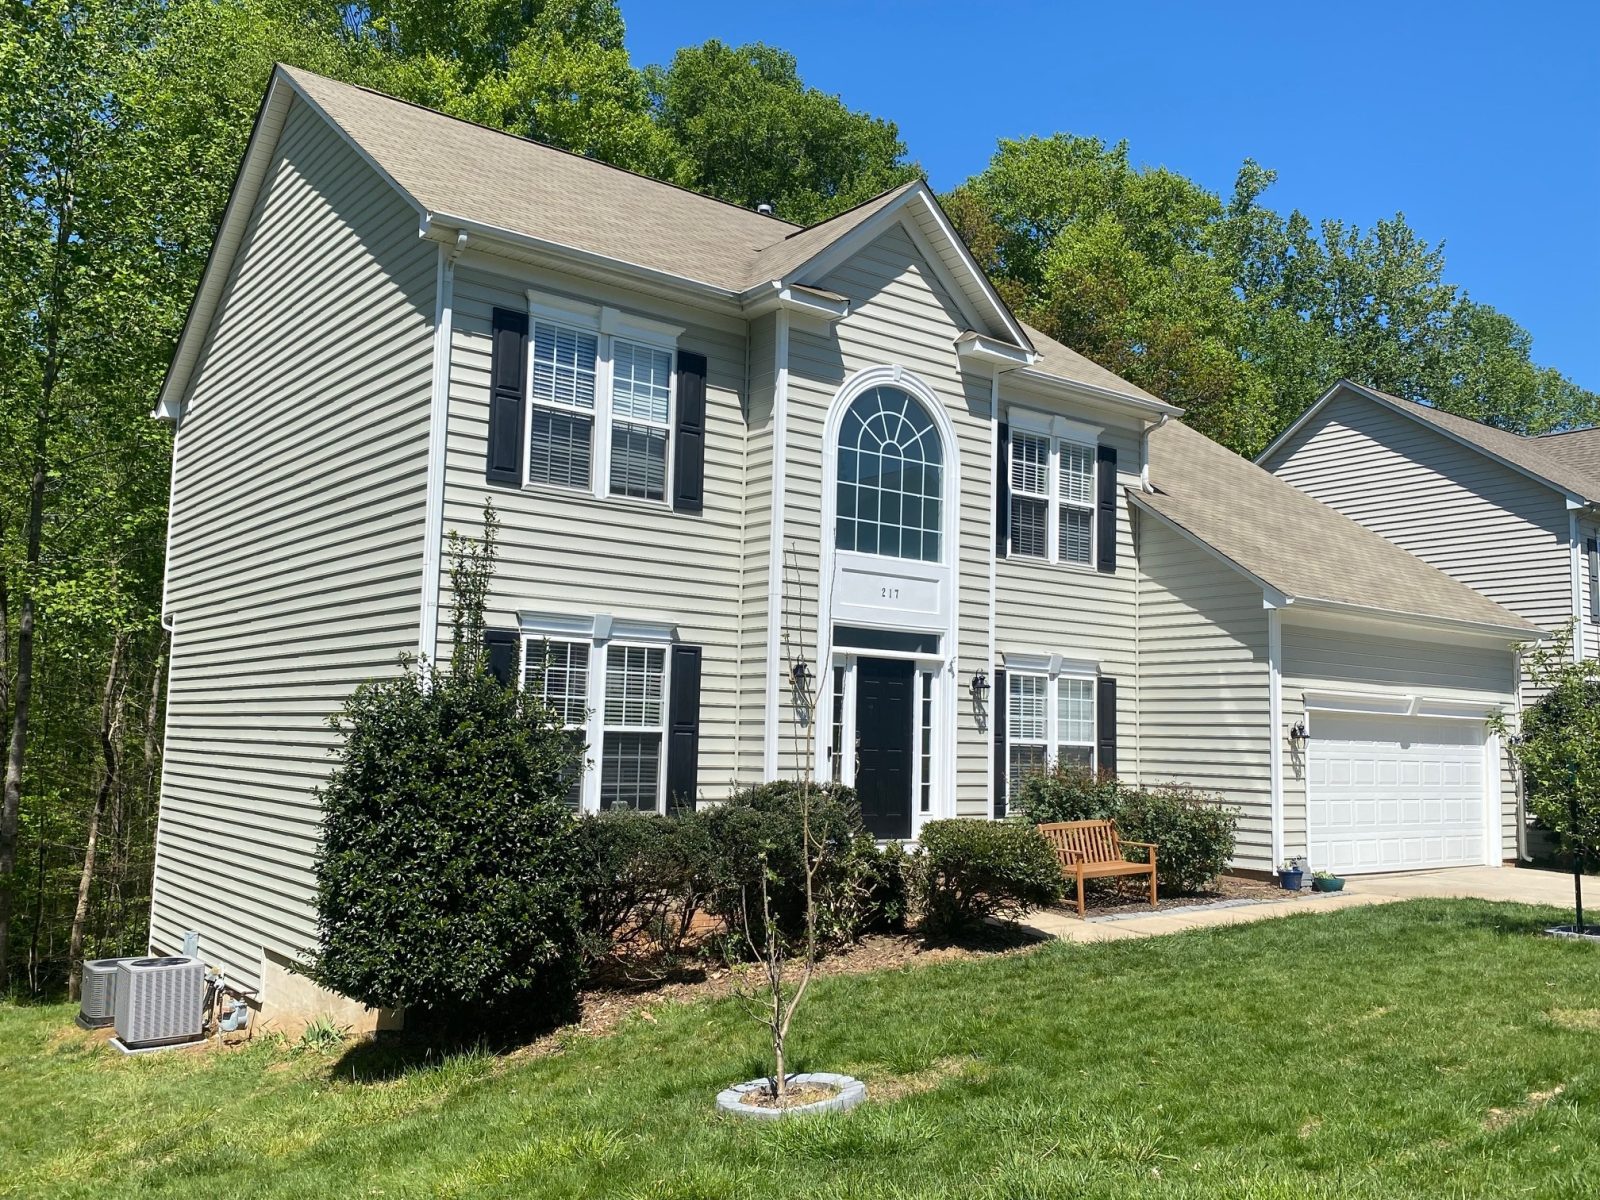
x: 1093, y: 850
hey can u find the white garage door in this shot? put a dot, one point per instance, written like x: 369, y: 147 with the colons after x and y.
x: 1394, y: 793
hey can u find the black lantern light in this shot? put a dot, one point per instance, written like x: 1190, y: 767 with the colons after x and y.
x: 980, y: 687
x: 800, y: 675
x: 1299, y: 735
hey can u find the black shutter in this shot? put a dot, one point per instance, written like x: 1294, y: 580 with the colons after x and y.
x: 997, y: 723
x: 1105, y: 715
x: 1002, y: 491
x: 508, y: 381
x: 683, y: 729
x: 689, y: 462
x: 1106, y: 509
x: 500, y: 646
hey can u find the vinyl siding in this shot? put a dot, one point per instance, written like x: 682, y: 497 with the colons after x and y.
x: 1203, y: 682
x: 1490, y: 527
x: 1331, y: 659
x: 756, y: 561
x: 899, y: 314
x: 295, y: 565
x: 1079, y: 612
x: 564, y: 552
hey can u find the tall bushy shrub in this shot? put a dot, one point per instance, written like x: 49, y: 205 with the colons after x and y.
x: 446, y: 877
x: 758, y: 830
x: 970, y: 870
x: 642, y: 880
x: 1194, y: 832
x: 1067, y: 793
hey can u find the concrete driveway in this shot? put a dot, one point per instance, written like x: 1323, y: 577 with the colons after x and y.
x: 1483, y: 883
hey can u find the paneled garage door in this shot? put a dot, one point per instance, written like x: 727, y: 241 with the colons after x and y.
x: 1394, y: 793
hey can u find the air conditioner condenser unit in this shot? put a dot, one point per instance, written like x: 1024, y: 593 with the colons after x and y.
x: 160, y: 1001
x: 98, y: 992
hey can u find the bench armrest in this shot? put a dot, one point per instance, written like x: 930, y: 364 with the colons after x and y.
x: 1149, y: 849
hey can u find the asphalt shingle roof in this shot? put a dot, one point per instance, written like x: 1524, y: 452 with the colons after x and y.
x: 1294, y: 543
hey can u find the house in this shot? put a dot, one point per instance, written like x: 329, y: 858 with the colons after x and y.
x: 1515, y: 517
x: 769, y: 497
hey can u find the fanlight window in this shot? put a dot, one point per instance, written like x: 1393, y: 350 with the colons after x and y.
x: 891, y: 477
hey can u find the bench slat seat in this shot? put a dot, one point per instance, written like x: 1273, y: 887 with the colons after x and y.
x: 1094, y: 850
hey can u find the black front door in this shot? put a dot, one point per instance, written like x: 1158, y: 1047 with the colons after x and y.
x: 884, y: 693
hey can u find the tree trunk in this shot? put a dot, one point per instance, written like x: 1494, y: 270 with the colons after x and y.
x: 16, y: 752
x: 110, y: 753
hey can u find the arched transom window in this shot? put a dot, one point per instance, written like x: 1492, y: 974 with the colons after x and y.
x: 891, y: 477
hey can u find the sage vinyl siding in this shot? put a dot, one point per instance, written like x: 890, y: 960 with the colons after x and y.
x: 295, y: 564
x: 756, y: 562
x: 900, y: 313
x: 1319, y: 659
x: 564, y: 552
x: 1492, y: 528
x: 1203, y: 670
x: 1077, y: 611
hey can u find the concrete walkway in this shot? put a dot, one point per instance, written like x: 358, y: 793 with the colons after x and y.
x: 1483, y: 883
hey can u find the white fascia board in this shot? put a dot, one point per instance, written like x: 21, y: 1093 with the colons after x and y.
x: 1454, y: 627
x: 972, y: 346
x: 1075, y: 387
x: 253, y: 168
x: 801, y: 301
x: 1271, y: 597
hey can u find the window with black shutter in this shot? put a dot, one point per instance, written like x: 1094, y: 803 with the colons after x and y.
x: 508, y: 381
x: 689, y: 463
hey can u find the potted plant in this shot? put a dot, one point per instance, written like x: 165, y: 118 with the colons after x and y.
x: 1326, y: 881
x: 1292, y: 874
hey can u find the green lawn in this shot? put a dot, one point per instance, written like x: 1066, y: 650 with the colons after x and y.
x: 1410, y: 1050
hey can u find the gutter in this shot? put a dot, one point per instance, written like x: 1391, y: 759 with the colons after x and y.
x: 1095, y: 391
x: 1145, y: 485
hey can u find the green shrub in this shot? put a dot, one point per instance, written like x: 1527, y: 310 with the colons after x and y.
x: 759, y: 828
x: 971, y: 870
x: 446, y: 877
x: 1193, y: 831
x: 641, y: 880
x: 1067, y: 793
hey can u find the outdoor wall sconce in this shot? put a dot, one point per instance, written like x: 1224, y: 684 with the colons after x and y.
x: 800, y: 676
x: 1299, y: 735
x: 980, y: 688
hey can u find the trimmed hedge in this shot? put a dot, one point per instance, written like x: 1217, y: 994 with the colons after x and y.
x: 1067, y: 794
x: 641, y: 881
x: 971, y: 870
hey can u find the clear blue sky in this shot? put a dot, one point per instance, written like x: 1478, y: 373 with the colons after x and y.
x: 1479, y: 121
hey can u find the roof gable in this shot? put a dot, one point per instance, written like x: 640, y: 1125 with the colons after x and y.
x: 1572, y: 470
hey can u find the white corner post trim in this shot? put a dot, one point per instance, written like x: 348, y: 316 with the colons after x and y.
x: 780, y: 434
x: 1577, y: 584
x: 995, y: 700
x: 438, y: 429
x: 1275, y: 729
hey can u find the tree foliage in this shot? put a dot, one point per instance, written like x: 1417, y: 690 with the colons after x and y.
x: 1240, y: 314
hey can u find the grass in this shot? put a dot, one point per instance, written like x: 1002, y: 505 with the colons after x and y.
x: 1430, y: 1049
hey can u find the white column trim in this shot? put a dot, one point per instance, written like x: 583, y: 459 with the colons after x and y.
x: 780, y: 432
x: 1275, y: 730
x: 993, y: 713
x: 438, y: 429
x: 1576, y: 549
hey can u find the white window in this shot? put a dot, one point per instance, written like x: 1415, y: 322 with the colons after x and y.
x: 633, y: 730
x: 557, y: 670
x: 891, y: 477
x: 611, y: 698
x: 1052, y: 498
x: 601, y: 395
x: 1050, y: 719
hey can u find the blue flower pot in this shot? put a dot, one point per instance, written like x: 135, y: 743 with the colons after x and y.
x: 1292, y: 880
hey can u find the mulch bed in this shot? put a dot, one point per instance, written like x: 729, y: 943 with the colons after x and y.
x: 1105, y: 897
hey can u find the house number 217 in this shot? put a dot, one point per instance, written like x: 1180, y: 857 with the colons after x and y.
x: 891, y: 593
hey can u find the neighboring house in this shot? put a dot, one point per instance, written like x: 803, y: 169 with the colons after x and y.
x: 735, y: 460
x: 1514, y: 517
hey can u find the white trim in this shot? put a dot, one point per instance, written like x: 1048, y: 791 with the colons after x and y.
x: 986, y: 728
x: 1093, y: 391
x: 949, y: 564
x: 1275, y: 731
x: 438, y: 448
x: 1359, y: 703
x: 780, y: 437
x: 799, y: 300
x: 1575, y: 538
x: 975, y: 347
x: 596, y: 627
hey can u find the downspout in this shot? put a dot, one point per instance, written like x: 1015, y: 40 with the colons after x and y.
x: 1275, y: 730
x: 438, y: 429
x: 780, y: 432
x: 1144, y: 454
